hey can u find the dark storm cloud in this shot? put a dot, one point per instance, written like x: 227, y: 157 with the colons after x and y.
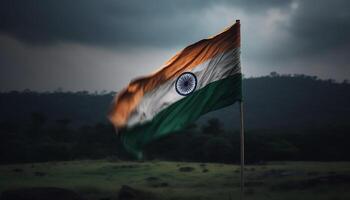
x: 68, y: 38
x: 315, y: 27
x: 107, y: 22
x: 321, y: 26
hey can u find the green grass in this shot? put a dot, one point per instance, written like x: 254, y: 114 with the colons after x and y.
x: 103, y: 179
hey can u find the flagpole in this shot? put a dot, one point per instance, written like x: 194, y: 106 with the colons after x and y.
x: 242, y: 148
x: 241, y: 137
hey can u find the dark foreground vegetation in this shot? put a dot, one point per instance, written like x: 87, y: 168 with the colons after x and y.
x: 208, y: 143
x: 287, y: 118
x: 160, y: 180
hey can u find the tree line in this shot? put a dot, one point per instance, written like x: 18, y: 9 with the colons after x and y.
x: 208, y: 142
x: 288, y: 117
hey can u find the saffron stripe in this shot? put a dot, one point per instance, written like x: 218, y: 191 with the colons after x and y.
x: 193, y: 55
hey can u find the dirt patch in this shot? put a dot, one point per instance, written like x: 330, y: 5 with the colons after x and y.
x: 152, y: 178
x: 40, y: 193
x: 125, y: 166
x: 186, y: 169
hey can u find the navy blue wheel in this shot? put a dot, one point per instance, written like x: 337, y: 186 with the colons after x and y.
x: 186, y: 83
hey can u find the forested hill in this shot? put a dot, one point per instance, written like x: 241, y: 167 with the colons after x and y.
x: 270, y: 102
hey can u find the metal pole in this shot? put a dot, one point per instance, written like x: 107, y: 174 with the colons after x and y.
x: 241, y: 129
x: 242, y: 148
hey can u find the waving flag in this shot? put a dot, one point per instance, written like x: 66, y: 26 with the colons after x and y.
x: 203, y: 77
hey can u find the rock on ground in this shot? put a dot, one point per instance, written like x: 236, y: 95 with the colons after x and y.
x: 129, y: 193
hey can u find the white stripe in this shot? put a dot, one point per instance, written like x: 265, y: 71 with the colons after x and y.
x: 219, y: 67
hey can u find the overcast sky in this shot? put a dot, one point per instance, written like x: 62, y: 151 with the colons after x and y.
x: 102, y: 44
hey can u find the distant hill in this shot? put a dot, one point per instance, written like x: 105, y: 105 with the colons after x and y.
x: 290, y: 102
x: 79, y: 108
x: 273, y: 101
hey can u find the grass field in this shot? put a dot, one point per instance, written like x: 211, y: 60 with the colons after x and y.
x: 102, y: 179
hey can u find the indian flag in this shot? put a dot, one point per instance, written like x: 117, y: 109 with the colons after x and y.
x: 203, y: 77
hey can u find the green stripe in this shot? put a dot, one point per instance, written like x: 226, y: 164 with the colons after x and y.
x: 213, y: 96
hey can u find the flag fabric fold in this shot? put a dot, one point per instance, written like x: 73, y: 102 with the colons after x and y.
x: 203, y: 77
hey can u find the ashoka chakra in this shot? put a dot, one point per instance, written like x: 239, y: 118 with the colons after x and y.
x: 186, y: 83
